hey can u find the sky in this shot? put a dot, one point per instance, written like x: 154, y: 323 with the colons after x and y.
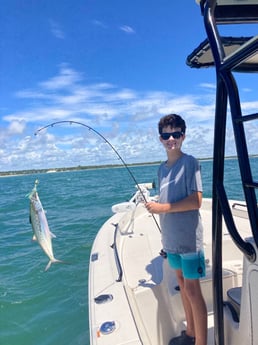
x: 115, y: 66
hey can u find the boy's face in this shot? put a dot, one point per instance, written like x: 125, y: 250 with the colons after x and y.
x: 173, y: 141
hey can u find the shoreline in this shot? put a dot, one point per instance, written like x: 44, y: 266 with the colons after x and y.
x: 92, y: 167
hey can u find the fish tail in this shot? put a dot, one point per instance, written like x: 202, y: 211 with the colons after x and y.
x: 34, y: 190
x: 54, y: 261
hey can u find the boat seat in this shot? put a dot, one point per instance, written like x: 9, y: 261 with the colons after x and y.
x: 234, y: 298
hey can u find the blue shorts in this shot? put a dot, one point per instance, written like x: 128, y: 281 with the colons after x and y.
x: 191, y: 264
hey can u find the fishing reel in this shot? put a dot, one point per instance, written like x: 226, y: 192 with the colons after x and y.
x: 142, y: 195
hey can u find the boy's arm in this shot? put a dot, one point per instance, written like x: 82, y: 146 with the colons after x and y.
x: 191, y: 202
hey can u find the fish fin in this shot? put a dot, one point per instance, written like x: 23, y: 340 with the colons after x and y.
x: 34, y: 238
x: 48, y: 265
x: 55, y: 261
x: 52, y: 235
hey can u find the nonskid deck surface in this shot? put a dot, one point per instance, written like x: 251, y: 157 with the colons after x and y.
x: 140, y: 250
x: 148, y: 284
x: 147, y: 274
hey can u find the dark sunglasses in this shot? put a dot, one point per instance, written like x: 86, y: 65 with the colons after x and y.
x: 175, y: 135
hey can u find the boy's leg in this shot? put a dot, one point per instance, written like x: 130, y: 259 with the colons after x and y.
x: 186, y: 304
x: 198, y: 308
x: 191, y: 294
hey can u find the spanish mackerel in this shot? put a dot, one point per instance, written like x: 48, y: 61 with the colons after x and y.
x: 39, y: 223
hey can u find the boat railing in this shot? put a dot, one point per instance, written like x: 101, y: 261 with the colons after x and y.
x: 125, y: 226
x: 240, y: 57
x: 227, y: 91
x: 116, y: 254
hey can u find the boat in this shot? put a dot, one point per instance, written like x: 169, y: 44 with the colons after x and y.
x: 133, y: 294
x: 134, y: 298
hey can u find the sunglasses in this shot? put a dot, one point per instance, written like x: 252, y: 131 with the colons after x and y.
x: 175, y: 135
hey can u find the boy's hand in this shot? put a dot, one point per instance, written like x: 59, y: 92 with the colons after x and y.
x: 154, y: 207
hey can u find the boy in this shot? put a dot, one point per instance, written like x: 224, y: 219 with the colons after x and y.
x: 182, y: 234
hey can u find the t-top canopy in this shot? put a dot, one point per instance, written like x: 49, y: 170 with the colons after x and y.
x: 234, y: 11
x: 233, y: 2
x: 202, y: 55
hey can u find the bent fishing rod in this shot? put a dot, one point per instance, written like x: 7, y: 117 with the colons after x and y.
x: 106, y: 141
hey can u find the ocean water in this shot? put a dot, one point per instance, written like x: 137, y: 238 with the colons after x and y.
x: 47, y: 308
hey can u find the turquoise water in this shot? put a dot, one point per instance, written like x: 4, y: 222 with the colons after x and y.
x: 47, y: 308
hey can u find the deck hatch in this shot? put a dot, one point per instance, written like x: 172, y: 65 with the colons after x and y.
x: 101, y: 299
x: 107, y: 327
x: 94, y: 257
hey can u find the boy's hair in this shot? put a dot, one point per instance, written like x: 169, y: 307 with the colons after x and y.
x: 172, y: 120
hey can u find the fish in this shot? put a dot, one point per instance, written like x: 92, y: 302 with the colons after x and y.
x: 39, y: 223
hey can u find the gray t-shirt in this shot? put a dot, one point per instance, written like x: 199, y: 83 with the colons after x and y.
x: 182, y: 232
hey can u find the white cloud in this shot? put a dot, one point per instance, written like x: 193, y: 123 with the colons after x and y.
x: 66, y: 78
x: 99, y: 24
x: 125, y: 117
x: 208, y: 86
x: 128, y: 29
x: 56, y: 29
x: 16, y: 127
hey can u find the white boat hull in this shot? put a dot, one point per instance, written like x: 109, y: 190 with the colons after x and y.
x: 146, y: 306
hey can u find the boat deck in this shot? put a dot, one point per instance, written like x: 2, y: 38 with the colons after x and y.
x: 148, y: 291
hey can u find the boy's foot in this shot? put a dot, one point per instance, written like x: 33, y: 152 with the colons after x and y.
x: 182, y: 339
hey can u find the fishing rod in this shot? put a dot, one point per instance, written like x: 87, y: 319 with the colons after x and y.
x: 106, y: 141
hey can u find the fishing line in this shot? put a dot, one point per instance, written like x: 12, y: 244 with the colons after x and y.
x: 109, y: 143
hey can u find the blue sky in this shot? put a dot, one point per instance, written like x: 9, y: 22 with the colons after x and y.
x: 116, y: 66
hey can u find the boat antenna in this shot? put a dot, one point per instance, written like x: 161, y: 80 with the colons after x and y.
x: 109, y: 143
